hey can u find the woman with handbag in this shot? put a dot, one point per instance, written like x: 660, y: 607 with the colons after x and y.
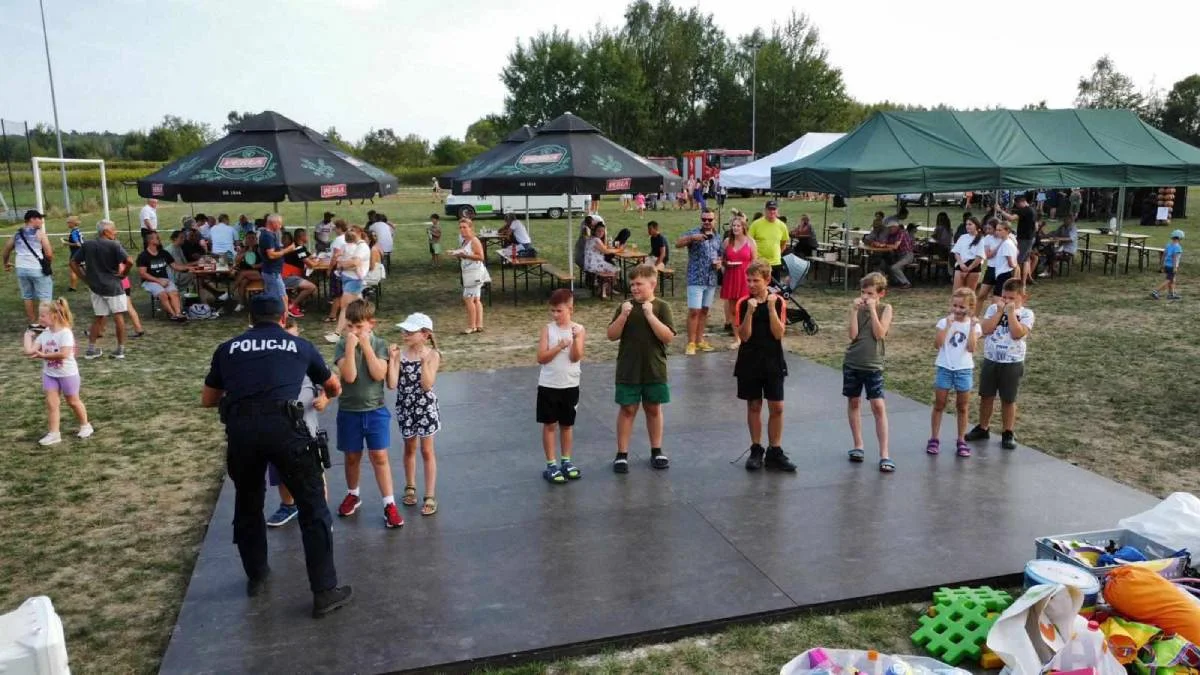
x: 34, y: 254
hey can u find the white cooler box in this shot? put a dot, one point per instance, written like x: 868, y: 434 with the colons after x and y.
x: 32, y: 641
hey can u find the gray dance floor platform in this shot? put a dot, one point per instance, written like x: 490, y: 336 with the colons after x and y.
x: 513, y: 568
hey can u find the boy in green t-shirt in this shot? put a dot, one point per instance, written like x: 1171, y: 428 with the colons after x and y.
x: 361, y: 358
x: 645, y: 328
x: 862, y: 369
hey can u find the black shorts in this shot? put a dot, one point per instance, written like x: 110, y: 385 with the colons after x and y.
x: 557, y: 406
x: 1001, y: 378
x: 1170, y: 272
x: 760, y: 386
x: 998, y: 284
x: 989, y: 276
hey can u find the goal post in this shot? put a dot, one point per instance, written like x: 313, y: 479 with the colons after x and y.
x: 37, y: 179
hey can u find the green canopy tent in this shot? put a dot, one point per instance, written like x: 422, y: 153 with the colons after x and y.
x: 940, y: 150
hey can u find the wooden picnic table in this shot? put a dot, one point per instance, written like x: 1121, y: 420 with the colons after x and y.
x: 627, y: 258
x: 521, y: 267
x: 488, y: 239
x: 1132, y: 241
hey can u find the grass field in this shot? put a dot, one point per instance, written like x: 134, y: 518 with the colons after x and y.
x: 109, y: 528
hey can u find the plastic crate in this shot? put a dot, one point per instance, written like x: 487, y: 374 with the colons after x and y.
x: 1158, y: 555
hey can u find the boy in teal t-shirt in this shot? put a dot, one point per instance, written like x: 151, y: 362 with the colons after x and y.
x: 1172, y: 254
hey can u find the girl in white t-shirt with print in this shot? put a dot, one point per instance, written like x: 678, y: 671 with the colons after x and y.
x: 1000, y: 251
x: 957, y: 334
x: 55, y: 346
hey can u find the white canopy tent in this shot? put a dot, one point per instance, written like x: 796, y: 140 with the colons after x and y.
x: 757, y: 174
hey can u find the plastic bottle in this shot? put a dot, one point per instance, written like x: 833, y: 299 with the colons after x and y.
x: 874, y: 664
x: 1085, y: 650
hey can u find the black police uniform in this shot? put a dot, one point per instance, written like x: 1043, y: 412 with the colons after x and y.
x: 260, y: 371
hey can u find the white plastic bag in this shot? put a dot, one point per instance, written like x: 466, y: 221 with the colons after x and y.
x: 1174, y: 522
x: 1042, y: 628
x: 822, y: 661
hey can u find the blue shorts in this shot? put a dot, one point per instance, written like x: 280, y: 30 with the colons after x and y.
x: 352, y: 286
x: 854, y: 381
x: 372, y: 427
x: 953, y: 380
x: 273, y: 285
x: 35, y: 285
x: 1169, y: 271
x: 700, y: 297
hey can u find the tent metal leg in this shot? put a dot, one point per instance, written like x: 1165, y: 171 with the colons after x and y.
x: 846, y: 247
x: 570, y: 252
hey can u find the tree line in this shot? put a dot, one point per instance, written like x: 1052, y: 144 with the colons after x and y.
x: 667, y: 80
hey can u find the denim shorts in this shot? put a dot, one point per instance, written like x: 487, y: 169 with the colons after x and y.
x: 35, y: 285
x: 273, y: 285
x: 352, y: 286
x: 1170, y: 272
x: 855, y: 381
x: 953, y: 380
x: 700, y: 297
x: 372, y: 427
x: 157, y: 288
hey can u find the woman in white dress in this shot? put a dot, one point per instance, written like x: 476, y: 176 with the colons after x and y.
x: 594, y: 262
x: 474, y: 274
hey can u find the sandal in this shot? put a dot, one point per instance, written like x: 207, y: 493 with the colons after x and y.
x: 410, y: 495
x: 469, y: 331
x: 963, y: 449
x: 857, y: 455
x: 886, y: 465
x: 933, y: 447
x: 429, y: 507
x: 329, y: 320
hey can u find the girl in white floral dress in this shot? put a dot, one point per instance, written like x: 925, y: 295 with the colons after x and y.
x: 412, y: 370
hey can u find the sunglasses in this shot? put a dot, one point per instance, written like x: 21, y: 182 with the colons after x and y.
x: 707, y: 220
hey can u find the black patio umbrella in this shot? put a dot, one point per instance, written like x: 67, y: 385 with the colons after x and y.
x: 446, y: 180
x: 566, y: 156
x: 267, y: 158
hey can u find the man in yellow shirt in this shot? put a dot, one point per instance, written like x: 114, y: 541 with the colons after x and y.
x: 770, y: 235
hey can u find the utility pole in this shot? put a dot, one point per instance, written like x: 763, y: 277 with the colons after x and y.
x: 754, y: 47
x: 54, y: 104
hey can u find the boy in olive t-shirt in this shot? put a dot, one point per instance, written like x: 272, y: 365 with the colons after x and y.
x: 862, y: 369
x: 644, y: 328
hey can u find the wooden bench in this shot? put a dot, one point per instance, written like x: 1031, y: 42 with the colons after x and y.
x: 1086, y: 254
x: 1146, y: 251
x: 557, y: 276
x: 664, y: 275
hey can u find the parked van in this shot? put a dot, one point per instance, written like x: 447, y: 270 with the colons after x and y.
x: 555, y: 206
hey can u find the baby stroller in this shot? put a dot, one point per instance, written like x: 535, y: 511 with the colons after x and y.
x: 797, y: 271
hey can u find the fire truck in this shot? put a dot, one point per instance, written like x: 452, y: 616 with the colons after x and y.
x: 706, y: 164
x: 669, y: 163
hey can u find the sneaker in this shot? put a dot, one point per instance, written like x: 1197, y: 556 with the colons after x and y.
x: 36, y: 327
x: 704, y: 346
x: 962, y: 449
x: 325, y: 602
x: 690, y: 350
x: 776, y: 460
x: 978, y: 434
x: 52, y: 438
x: 392, y: 517
x: 621, y: 464
x: 223, y: 297
x: 553, y: 474
x: 294, y: 312
x: 1174, y: 296
x: 1154, y: 294
x: 755, y: 461
x: 137, y: 334
x: 283, y: 515
x: 1007, y: 441
x: 86, y: 431
x: 119, y: 354
x: 349, y: 506
x: 570, y: 470
x: 332, y: 338
x: 92, y: 353
x: 239, y: 307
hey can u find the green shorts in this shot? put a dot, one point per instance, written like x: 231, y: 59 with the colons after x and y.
x: 632, y: 394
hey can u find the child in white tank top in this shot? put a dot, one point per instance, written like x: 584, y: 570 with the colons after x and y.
x: 560, y: 349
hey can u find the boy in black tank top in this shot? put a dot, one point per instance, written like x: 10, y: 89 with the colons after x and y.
x: 761, y: 367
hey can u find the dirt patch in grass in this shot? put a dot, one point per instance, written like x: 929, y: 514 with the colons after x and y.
x: 109, y: 528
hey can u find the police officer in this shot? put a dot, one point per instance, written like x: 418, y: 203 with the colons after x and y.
x: 255, y: 378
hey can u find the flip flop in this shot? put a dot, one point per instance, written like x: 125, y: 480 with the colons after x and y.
x: 886, y: 465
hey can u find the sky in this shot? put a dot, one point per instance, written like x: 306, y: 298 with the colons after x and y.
x: 432, y: 68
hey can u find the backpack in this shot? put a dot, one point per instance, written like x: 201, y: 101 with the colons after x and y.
x: 199, y: 311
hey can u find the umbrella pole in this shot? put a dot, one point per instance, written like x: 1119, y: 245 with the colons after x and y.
x: 128, y: 217
x: 825, y: 224
x: 846, y: 248
x: 528, y: 222
x: 570, y: 251
x: 306, y: 221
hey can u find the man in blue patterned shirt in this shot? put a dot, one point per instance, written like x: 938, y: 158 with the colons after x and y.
x: 704, y: 259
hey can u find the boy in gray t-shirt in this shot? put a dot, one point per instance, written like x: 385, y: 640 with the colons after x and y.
x: 862, y: 369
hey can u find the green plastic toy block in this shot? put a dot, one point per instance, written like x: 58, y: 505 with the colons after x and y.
x: 992, y: 600
x: 956, y: 633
